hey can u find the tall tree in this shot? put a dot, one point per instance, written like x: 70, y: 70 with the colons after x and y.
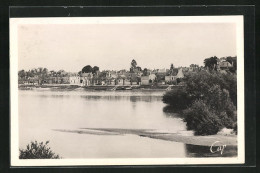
x: 39, y: 70
x: 21, y: 74
x: 172, y: 67
x: 133, y: 65
x: 145, y: 72
x: 211, y: 63
x: 95, y: 69
x: 87, y: 69
x: 233, y: 61
x: 45, y: 71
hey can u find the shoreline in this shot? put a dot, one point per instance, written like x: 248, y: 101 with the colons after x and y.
x: 97, y: 87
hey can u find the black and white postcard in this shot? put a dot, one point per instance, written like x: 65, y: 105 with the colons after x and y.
x: 127, y: 90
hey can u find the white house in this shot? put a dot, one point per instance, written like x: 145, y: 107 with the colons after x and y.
x: 171, y: 78
x: 146, y: 80
x: 83, y: 80
x: 74, y: 80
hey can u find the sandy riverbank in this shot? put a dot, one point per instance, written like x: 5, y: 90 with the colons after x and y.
x: 176, y: 137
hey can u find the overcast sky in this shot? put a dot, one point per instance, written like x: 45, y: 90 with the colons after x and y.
x: 113, y: 46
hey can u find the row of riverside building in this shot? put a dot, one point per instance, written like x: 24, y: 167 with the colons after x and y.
x: 122, y: 77
x: 136, y: 77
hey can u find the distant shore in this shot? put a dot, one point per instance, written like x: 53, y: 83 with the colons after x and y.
x: 95, y: 87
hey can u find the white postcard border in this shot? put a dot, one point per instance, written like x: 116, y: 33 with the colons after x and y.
x: 15, y: 22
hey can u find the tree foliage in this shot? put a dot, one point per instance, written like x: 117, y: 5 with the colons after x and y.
x: 21, y: 73
x: 177, y: 98
x: 95, y: 69
x: 194, y: 65
x: 145, y: 72
x: 198, y: 84
x: 201, y: 119
x: 41, y: 74
x: 133, y: 65
x: 215, y: 111
x: 171, y: 71
x: 87, y: 69
x: 36, y: 150
x: 172, y: 67
x: 209, y: 100
x: 233, y: 61
x: 211, y: 63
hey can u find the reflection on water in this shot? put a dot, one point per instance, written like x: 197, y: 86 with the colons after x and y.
x: 119, y: 98
x: 42, y: 111
x: 171, y: 112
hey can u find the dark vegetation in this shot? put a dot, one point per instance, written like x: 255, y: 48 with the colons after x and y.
x: 208, y: 100
x: 36, y: 150
x: 177, y: 98
x: 89, y: 69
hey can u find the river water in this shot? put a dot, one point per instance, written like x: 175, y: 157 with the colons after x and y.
x: 42, y: 111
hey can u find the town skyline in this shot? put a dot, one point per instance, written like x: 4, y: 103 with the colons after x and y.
x: 80, y: 69
x: 113, y: 46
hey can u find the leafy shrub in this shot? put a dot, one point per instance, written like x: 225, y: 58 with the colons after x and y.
x: 219, y: 101
x: 212, y: 97
x: 201, y: 119
x: 179, y: 80
x: 214, y: 112
x: 36, y: 150
x: 177, y: 98
x: 229, y: 82
x: 199, y: 84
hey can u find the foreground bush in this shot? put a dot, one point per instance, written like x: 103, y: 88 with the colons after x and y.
x: 208, y: 116
x: 220, y: 103
x: 211, y: 100
x: 177, y: 98
x: 201, y: 119
x: 36, y: 150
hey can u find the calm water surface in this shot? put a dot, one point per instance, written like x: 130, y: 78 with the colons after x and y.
x: 41, y: 111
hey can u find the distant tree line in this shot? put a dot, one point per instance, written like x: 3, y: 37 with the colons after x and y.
x: 41, y: 73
